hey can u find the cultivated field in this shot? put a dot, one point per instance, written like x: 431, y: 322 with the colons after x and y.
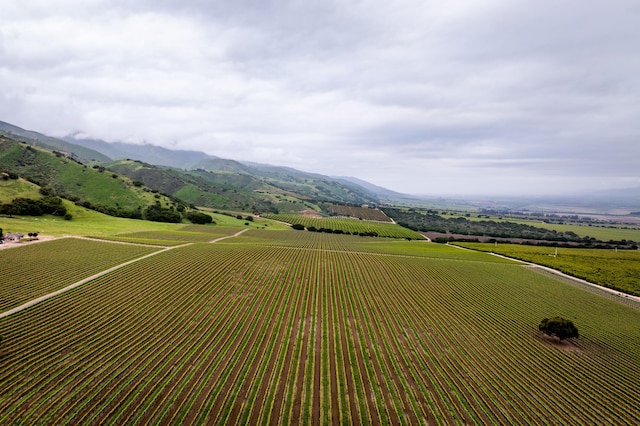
x: 360, y: 213
x: 350, y: 226
x: 616, y: 269
x: 38, y: 269
x: 297, y: 327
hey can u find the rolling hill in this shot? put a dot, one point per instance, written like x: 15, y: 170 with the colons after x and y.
x: 60, y: 175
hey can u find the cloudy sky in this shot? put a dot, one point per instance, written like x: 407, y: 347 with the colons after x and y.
x: 419, y: 96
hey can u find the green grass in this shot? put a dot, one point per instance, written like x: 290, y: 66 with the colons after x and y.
x: 68, y: 177
x: 84, y: 223
x: 619, y: 270
x: 615, y: 232
x: 87, y: 222
x: 18, y: 188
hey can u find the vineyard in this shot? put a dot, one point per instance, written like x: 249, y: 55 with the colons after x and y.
x: 299, y: 327
x: 616, y: 269
x: 347, y: 226
x: 359, y: 213
x: 185, y: 234
x: 35, y: 270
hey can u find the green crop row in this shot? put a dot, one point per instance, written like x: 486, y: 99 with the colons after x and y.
x: 298, y: 327
x: 348, y: 226
x: 616, y: 269
x: 37, y: 269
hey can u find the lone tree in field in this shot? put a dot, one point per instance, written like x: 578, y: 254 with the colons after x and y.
x: 558, y: 326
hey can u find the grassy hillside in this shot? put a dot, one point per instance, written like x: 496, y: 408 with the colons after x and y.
x: 222, y: 189
x: 72, y: 180
x: 18, y: 188
x: 50, y: 143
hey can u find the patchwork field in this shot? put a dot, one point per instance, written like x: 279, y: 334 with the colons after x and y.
x: 298, y: 327
x: 616, y: 269
x: 347, y: 226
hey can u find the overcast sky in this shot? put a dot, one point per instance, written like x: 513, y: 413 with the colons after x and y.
x: 419, y: 96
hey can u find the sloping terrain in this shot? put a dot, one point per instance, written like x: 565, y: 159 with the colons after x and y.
x: 79, y: 152
x: 66, y: 177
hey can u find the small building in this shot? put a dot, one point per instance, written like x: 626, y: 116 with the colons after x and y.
x: 16, y: 236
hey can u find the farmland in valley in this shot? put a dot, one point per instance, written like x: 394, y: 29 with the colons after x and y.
x: 298, y: 327
x: 348, y: 226
x: 616, y: 269
x: 359, y: 213
x: 35, y: 270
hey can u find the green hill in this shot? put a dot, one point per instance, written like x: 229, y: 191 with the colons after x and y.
x: 38, y: 139
x: 216, y: 189
x: 66, y: 177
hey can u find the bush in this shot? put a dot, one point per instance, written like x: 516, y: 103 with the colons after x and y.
x: 558, y: 326
x: 158, y: 214
x: 199, y: 218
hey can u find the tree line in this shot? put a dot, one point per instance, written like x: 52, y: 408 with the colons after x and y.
x: 431, y: 222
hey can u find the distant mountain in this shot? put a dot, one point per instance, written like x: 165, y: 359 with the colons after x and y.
x: 58, y: 174
x: 380, y: 192
x: 233, y: 185
x: 50, y: 143
x: 201, y: 178
x: 148, y: 153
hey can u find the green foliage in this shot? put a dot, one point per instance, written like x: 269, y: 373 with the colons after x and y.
x: 560, y: 327
x: 616, y: 269
x: 298, y: 226
x: 431, y: 221
x: 159, y: 214
x: 347, y: 226
x: 199, y: 218
x: 64, y: 177
x: 29, y: 207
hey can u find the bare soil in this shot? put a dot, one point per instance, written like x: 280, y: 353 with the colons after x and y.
x: 563, y: 345
x: 26, y: 241
x: 311, y: 213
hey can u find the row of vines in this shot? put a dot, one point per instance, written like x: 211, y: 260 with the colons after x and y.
x: 264, y: 332
x: 348, y: 226
x: 616, y: 269
x: 37, y: 269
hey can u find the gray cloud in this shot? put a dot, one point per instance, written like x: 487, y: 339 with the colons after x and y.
x: 419, y: 96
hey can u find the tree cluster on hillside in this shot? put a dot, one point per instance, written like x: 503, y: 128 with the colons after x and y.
x: 30, y: 207
x: 300, y: 227
x: 198, y: 218
x: 157, y: 213
x: 429, y: 221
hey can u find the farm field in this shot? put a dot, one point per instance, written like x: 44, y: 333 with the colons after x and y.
x: 37, y: 269
x: 351, y: 226
x: 360, y: 213
x: 182, y: 235
x: 619, y: 270
x: 298, y: 327
x: 598, y: 232
x: 87, y: 222
x: 615, y: 232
